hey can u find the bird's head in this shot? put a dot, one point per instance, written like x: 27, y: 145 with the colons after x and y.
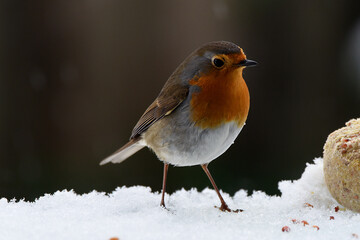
x: 219, y: 58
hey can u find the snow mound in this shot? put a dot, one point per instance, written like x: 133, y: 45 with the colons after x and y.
x: 134, y: 213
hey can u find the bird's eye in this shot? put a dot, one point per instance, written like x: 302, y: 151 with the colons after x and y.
x: 217, y: 62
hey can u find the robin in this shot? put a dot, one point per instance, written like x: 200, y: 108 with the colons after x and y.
x: 198, y: 114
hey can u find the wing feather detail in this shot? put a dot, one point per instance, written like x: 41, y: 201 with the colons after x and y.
x: 169, y: 99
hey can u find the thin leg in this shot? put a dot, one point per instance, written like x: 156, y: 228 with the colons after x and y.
x: 224, y: 206
x: 166, y: 167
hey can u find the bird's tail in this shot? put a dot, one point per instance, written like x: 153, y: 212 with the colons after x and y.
x: 124, y: 152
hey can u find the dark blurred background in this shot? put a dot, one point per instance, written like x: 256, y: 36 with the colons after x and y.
x: 75, y: 76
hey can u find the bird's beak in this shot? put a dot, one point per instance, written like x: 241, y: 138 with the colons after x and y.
x: 247, y: 63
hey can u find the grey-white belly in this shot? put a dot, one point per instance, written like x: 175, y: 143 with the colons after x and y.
x: 183, y: 144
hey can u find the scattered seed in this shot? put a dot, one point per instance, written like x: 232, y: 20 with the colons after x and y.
x: 317, y: 228
x: 295, y: 221
x: 304, y: 222
x: 285, y: 229
x: 308, y: 205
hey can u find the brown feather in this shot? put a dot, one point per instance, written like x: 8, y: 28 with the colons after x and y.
x: 124, y: 152
x: 169, y: 98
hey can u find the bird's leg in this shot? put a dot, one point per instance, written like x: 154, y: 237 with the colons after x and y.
x: 166, y: 167
x: 224, y: 206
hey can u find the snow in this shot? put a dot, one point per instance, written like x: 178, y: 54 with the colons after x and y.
x: 134, y: 213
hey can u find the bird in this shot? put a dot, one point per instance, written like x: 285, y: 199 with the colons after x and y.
x: 198, y: 113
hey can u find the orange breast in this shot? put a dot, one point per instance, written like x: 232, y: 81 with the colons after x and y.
x: 223, y: 97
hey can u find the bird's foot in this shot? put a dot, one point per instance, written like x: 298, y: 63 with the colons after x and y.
x: 162, y: 205
x: 224, y: 208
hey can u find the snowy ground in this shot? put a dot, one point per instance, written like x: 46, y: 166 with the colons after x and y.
x: 134, y: 213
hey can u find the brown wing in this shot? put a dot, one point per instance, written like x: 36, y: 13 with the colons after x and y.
x: 169, y: 98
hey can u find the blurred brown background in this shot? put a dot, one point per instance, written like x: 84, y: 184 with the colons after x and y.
x: 75, y: 76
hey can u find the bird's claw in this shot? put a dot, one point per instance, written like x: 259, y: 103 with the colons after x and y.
x: 225, y: 208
